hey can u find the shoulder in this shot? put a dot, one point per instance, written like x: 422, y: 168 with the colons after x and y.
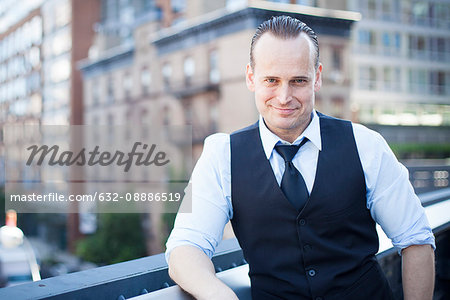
x: 216, y: 146
x: 373, y: 149
x: 216, y: 141
x: 217, y: 138
x: 332, y: 123
x: 215, y: 158
x: 362, y: 134
x: 244, y: 130
x: 368, y: 137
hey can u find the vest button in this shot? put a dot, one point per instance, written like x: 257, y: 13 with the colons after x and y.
x: 302, y: 222
x: 307, y: 247
x: 312, y: 272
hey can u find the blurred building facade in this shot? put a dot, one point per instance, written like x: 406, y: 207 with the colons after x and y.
x: 194, y: 71
x: 399, y: 66
x: 38, y: 76
x: 401, y: 62
x: 20, y: 67
x: 40, y: 43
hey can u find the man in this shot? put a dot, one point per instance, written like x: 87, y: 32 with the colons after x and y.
x: 305, y: 220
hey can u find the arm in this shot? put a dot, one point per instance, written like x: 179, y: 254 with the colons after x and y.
x: 394, y: 205
x: 196, y: 234
x: 194, y: 272
x: 418, y: 272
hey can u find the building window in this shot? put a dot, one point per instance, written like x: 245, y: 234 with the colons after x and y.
x: 417, y: 47
x: 59, y: 70
x: 391, y: 43
x: 128, y: 119
x: 406, y: 11
x: 188, y: 69
x: 421, y: 43
x: 213, y: 115
x: 437, y: 83
x: 110, y: 122
x: 387, y: 10
x: 397, y: 41
x: 61, y: 42
x: 143, y: 116
x: 188, y: 113
x: 95, y: 93
x: 372, y: 9
x: 337, y: 106
x: 127, y: 85
x: 33, y: 57
x: 367, y: 78
x: 418, y: 81
x: 146, y: 79
x: 214, y: 74
x: 166, y: 73
x: 165, y: 116
x: 420, y: 12
x: 442, y: 11
x: 438, y: 49
x: 367, y: 41
x: 62, y: 13
x: 387, y: 78
x: 110, y: 89
x: 392, y: 79
x: 337, y: 59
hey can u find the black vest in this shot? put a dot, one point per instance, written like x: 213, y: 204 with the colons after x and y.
x: 327, y: 251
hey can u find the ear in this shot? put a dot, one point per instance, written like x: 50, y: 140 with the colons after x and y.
x: 318, y: 79
x: 250, y: 78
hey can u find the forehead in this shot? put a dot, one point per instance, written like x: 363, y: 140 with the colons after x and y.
x: 292, y: 53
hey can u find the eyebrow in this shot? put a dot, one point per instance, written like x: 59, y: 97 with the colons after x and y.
x: 293, y: 78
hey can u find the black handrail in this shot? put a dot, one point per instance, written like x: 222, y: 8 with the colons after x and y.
x: 145, y: 275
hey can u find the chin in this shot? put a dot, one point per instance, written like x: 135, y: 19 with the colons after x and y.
x: 286, y: 125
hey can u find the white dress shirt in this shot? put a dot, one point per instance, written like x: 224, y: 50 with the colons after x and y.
x: 390, y: 196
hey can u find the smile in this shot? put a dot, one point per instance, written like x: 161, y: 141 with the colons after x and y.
x: 285, y: 111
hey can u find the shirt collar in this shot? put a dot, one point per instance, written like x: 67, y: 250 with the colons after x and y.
x: 269, y: 139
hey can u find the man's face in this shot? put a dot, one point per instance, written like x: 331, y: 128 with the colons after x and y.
x: 284, y: 80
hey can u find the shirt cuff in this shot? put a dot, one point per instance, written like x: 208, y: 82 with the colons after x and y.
x: 178, y: 238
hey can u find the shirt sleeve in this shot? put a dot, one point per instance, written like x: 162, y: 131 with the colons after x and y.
x: 211, y: 199
x: 390, y: 195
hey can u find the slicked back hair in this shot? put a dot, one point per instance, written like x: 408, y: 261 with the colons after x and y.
x: 284, y: 27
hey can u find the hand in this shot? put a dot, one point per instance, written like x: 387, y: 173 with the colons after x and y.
x: 194, y: 272
x: 220, y: 292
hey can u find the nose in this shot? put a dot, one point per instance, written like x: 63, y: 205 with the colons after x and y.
x: 284, y: 94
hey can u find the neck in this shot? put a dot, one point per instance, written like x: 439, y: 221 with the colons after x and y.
x: 289, y: 135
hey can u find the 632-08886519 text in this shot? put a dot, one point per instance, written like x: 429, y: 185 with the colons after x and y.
x: 101, y: 197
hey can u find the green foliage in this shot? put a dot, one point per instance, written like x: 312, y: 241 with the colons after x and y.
x: 119, y: 238
x: 404, y: 151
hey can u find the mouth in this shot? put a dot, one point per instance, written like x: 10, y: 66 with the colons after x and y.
x: 284, y: 111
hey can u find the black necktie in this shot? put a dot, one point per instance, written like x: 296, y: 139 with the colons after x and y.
x: 292, y: 184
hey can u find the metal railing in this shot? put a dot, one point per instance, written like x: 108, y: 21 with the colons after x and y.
x: 147, y: 278
x: 428, y: 178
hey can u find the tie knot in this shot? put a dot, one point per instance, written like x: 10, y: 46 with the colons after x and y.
x: 288, y: 151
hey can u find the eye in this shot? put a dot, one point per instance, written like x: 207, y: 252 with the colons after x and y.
x: 299, y: 81
x: 271, y: 80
